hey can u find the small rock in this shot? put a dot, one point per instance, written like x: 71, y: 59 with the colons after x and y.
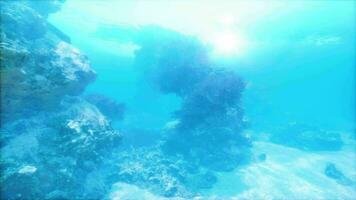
x: 332, y: 172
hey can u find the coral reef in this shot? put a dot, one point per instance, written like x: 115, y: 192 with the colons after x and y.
x: 57, y: 144
x: 151, y: 169
x: 38, y: 67
x: 172, y: 62
x: 214, y: 101
x: 61, y: 148
x: 84, y: 132
x: 210, y: 120
x: 51, y: 139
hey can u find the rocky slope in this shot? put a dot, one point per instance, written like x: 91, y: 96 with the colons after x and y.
x: 39, y: 66
x: 52, y: 139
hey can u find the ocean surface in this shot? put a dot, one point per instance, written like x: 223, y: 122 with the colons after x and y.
x: 132, y: 100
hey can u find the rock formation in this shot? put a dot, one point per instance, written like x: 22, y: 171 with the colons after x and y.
x: 51, y: 137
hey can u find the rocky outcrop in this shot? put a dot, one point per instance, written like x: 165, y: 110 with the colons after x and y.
x: 45, y: 7
x: 38, y: 67
x: 51, y: 138
x: 61, y: 148
x: 210, y: 121
x: 85, y: 133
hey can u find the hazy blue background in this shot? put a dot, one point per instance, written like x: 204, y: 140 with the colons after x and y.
x: 298, y: 57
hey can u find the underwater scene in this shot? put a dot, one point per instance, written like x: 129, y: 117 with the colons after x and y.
x: 178, y: 99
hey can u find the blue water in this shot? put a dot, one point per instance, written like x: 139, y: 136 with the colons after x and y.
x: 219, y: 100
x: 284, y: 63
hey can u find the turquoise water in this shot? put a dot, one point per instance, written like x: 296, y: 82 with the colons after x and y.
x: 299, y: 55
x: 209, y: 99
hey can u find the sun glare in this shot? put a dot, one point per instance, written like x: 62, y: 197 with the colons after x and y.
x: 228, y: 43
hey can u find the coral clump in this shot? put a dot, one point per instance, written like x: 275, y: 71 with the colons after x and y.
x: 210, y: 120
x: 151, y: 169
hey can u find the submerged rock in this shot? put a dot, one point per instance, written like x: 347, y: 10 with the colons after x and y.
x: 51, y: 141
x: 45, y: 7
x: 309, y: 138
x: 38, y: 68
x: 209, y: 124
x: 61, y: 147
x: 84, y: 131
x: 334, y: 173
